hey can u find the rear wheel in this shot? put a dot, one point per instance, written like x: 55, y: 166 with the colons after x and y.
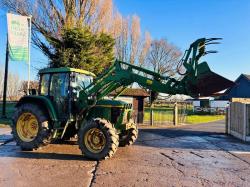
x: 98, y: 139
x: 31, y: 127
x: 128, y: 137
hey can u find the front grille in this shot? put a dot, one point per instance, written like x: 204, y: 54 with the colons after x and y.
x: 128, y: 106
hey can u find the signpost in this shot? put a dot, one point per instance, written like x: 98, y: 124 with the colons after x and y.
x: 17, y: 47
x: 5, y: 81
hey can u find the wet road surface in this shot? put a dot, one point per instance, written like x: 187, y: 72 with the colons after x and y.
x: 195, y: 155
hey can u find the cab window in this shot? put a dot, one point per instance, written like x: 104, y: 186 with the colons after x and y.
x: 59, y: 84
x: 45, y: 84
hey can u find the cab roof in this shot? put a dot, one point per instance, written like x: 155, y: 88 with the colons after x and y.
x: 65, y: 70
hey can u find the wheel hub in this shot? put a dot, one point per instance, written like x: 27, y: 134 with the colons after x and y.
x: 95, y: 140
x: 27, y: 127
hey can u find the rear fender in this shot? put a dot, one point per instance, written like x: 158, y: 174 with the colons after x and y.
x: 43, y: 102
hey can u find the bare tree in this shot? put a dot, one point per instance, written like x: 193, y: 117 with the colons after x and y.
x: 49, y: 17
x: 16, y: 88
x: 121, y: 35
x: 24, y: 86
x: 146, y: 43
x: 14, y: 85
x: 130, y: 45
x: 135, y: 36
x: 163, y: 57
x: 105, y: 16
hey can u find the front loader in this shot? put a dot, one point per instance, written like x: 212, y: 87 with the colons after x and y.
x: 72, y: 102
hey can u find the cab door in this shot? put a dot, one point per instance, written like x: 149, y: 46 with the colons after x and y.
x: 59, y: 94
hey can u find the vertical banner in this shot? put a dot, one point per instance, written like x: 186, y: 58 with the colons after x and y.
x: 17, y: 48
x: 18, y: 37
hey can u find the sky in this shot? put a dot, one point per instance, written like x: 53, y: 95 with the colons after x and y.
x: 183, y: 21
x: 180, y: 22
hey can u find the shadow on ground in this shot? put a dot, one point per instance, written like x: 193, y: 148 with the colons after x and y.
x: 48, y: 152
x: 181, y: 138
x: 175, y: 133
x: 38, y: 155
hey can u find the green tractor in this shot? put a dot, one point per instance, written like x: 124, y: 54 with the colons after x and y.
x: 72, y: 102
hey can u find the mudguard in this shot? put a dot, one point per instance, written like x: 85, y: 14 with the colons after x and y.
x: 41, y: 101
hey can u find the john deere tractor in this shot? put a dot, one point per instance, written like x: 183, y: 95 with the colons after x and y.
x: 72, y: 102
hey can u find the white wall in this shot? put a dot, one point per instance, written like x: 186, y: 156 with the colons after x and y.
x: 219, y: 104
x: 121, y: 98
x: 125, y: 99
x: 196, y: 103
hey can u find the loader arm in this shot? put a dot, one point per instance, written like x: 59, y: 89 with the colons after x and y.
x: 196, y: 81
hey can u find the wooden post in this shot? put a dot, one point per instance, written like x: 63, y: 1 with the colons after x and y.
x: 244, y: 122
x: 151, y: 108
x: 247, y: 122
x: 227, y: 120
x: 175, y: 114
x: 152, y: 115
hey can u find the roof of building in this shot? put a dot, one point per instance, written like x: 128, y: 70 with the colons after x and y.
x: 242, y: 75
x: 245, y: 75
x: 132, y: 92
x: 65, y: 70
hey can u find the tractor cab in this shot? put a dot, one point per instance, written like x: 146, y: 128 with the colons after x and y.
x: 58, y: 84
x: 63, y: 86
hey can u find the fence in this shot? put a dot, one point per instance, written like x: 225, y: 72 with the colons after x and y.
x: 167, y: 114
x: 238, y: 121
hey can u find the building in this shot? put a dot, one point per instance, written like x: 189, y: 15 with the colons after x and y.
x: 210, y: 105
x: 241, y: 89
x: 136, y: 97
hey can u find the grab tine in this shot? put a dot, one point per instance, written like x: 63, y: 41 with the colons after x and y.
x: 209, y: 43
x: 215, y: 38
x: 207, y: 52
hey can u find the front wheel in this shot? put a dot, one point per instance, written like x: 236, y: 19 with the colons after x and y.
x: 128, y: 137
x: 98, y: 139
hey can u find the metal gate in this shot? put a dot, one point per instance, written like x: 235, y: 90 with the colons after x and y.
x: 170, y: 113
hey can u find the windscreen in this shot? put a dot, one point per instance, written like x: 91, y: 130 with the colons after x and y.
x: 83, y: 80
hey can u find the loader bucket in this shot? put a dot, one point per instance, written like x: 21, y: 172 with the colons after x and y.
x: 207, y: 82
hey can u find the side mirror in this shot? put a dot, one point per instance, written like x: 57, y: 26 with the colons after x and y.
x: 73, y: 77
x: 33, y: 92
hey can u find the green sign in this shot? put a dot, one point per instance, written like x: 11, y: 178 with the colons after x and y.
x: 18, y: 37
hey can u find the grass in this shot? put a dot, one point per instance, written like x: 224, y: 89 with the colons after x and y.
x: 159, y: 114
x: 195, y: 119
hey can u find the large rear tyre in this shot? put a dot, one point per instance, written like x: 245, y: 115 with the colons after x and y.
x: 31, y: 127
x: 98, y: 139
x: 128, y: 137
